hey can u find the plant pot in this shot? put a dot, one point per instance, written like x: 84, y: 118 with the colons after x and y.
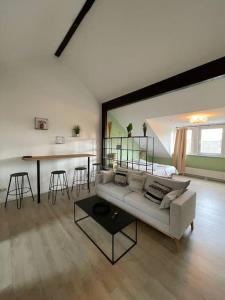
x: 129, y: 134
x: 75, y: 134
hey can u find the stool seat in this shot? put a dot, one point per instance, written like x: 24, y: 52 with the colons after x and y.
x: 58, y: 172
x: 96, y: 164
x: 80, y: 168
x: 19, y: 174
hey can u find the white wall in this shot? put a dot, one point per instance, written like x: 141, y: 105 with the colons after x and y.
x: 44, y: 88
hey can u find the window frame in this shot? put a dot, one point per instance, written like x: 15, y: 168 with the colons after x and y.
x: 196, y: 140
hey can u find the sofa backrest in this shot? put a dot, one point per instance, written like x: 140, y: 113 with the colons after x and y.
x: 173, y: 184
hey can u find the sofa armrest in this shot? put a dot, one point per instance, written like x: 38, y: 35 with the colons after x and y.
x: 182, y: 213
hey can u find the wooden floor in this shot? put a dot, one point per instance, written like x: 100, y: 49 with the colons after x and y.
x: 44, y: 255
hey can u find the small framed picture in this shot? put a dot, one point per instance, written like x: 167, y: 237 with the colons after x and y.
x: 60, y: 140
x: 41, y: 123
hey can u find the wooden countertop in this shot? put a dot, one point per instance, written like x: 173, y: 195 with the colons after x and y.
x: 60, y: 156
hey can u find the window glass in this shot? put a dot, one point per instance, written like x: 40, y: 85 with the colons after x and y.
x: 189, y: 141
x: 211, y: 141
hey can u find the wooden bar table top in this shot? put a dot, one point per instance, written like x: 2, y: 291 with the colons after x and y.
x: 55, y: 157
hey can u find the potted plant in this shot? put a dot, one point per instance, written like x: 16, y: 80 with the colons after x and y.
x: 144, y: 128
x: 129, y: 129
x: 76, y: 130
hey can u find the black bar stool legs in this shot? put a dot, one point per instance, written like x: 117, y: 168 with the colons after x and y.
x: 58, y: 182
x: 80, y: 179
x: 19, y: 188
x: 96, y: 168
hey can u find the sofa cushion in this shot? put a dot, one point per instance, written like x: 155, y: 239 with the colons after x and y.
x: 170, y: 197
x: 156, y: 192
x: 130, y: 172
x: 173, y: 184
x: 137, y: 183
x: 139, y: 202
x: 120, y: 177
x: 107, y: 176
x: 116, y: 191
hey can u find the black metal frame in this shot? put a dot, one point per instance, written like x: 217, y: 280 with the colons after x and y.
x: 148, y: 165
x: 207, y: 71
x: 112, y: 260
x: 59, y: 186
x: 19, y: 190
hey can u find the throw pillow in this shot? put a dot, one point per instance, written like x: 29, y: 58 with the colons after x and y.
x: 136, y: 183
x: 168, y: 198
x: 120, y: 177
x: 172, y: 183
x: 156, y: 191
x: 107, y: 176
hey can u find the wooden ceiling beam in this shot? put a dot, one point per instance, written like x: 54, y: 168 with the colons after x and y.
x: 88, y: 4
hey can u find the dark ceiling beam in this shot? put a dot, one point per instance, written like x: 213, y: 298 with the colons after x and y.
x: 88, y: 4
x: 193, y: 76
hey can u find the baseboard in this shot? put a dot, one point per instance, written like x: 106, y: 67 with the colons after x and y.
x: 206, y: 174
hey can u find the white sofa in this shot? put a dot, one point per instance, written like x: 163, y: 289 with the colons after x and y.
x: 172, y: 222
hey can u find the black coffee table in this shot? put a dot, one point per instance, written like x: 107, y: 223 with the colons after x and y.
x: 111, y: 223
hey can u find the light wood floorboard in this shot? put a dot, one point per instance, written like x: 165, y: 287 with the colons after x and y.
x: 44, y: 255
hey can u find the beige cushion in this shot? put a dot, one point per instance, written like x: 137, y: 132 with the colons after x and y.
x: 107, y: 176
x: 173, y: 184
x: 142, y: 204
x: 114, y: 190
x: 136, y: 183
x: 130, y: 173
x: 168, y: 198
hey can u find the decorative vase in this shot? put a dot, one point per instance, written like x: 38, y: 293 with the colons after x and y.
x: 145, y: 131
x: 109, y: 128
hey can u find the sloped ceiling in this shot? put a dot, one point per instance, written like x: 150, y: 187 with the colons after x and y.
x: 34, y: 28
x: 124, y: 45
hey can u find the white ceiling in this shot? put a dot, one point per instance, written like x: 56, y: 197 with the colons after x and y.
x: 121, y: 45
x: 124, y: 45
x: 33, y: 28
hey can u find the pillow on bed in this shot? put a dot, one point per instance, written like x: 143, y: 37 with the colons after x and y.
x: 156, y: 192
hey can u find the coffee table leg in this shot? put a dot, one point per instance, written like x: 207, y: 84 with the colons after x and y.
x: 112, y: 248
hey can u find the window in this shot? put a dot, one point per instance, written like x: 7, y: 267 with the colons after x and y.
x: 211, y: 141
x: 189, y: 142
x: 206, y: 140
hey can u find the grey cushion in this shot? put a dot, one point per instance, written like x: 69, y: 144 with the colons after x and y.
x: 139, y: 202
x: 136, y: 183
x: 130, y: 173
x: 113, y: 190
x: 173, y: 184
x: 107, y: 176
x: 156, y: 191
x: 168, y: 198
x: 120, y: 177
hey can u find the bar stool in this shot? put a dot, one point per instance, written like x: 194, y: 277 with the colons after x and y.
x: 19, y: 189
x: 58, y: 182
x: 79, y: 178
x: 96, y: 168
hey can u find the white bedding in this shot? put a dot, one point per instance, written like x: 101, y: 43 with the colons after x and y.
x: 158, y: 169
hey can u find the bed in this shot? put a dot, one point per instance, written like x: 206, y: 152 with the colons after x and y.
x: 157, y: 169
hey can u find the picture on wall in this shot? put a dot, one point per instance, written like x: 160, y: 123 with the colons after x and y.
x: 41, y: 123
